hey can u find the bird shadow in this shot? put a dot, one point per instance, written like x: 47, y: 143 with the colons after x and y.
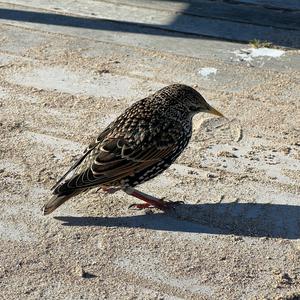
x: 242, y: 219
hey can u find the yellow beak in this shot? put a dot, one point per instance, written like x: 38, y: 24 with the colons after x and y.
x: 214, y: 112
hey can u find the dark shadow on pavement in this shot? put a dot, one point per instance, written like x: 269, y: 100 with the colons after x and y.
x: 242, y: 219
x: 222, y: 21
x: 83, y: 22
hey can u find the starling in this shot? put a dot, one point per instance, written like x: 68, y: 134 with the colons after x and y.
x: 139, y: 145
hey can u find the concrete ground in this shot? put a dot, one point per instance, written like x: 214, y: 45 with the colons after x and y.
x: 67, y: 70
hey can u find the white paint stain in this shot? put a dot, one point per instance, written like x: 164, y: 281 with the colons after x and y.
x: 207, y: 71
x: 249, y: 54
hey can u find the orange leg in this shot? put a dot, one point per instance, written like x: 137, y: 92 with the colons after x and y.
x: 150, y: 200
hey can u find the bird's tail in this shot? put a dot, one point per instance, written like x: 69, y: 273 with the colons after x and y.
x: 56, y: 201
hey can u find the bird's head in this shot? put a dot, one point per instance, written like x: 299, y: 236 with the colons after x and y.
x: 193, y: 100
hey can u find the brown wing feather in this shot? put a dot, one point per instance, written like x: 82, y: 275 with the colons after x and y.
x: 86, y: 152
x: 127, y: 147
x: 112, y: 165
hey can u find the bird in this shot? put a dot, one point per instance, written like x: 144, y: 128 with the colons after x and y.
x: 137, y: 146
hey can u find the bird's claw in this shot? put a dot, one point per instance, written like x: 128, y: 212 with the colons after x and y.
x: 140, y: 206
x: 165, y: 205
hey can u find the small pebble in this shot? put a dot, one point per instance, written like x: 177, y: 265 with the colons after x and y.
x: 210, y: 175
x: 79, y: 271
x: 226, y: 154
x: 222, y: 197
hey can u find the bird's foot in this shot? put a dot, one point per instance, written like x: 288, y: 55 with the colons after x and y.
x: 151, y: 202
x: 162, y: 205
x: 140, y: 206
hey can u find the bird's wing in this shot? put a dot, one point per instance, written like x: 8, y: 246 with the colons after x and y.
x: 86, y: 152
x: 115, y: 160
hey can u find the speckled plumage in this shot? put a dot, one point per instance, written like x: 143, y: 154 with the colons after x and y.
x: 140, y: 144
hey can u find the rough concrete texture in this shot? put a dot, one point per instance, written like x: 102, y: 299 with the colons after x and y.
x: 238, y: 234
